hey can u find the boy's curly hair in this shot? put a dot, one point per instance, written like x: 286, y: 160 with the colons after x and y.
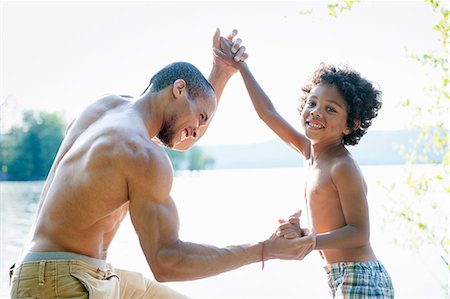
x: 362, y: 98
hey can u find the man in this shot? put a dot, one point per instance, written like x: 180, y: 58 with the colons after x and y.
x: 109, y: 164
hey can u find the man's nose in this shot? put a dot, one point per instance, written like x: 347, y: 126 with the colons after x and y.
x: 195, y: 132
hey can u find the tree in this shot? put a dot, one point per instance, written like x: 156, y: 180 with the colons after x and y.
x: 194, y: 159
x: 433, y: 138
x: 8, y: 145
x: 176, y: 157
x: 334, y: 8
x: 30, y: 149
x: 198, y: 159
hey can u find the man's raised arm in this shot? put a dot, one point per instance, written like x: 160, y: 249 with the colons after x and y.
x: 220, y: 74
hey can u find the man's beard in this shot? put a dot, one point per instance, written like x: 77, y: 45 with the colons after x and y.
x: 167, y: 132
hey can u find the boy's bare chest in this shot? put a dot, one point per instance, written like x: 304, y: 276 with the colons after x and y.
x: 322, y: 199
x: 319, y: 187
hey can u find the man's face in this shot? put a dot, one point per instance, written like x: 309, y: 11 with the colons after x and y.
x: 187, y: 120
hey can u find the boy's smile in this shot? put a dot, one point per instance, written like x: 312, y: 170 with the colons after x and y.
x: 314, y: 124
x: 325, y: 114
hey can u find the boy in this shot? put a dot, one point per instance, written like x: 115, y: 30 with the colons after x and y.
x: 337, y: 108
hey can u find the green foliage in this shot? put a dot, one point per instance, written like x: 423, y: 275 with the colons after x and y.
x: 334, y: 8
x: 27, y: 151
x: 176, y: 157
x: 305, y: 12
x: 198, y: 159
x: 425, y: 212
x: 194, y: 159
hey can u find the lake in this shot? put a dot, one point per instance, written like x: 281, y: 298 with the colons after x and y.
x: 230, y: 207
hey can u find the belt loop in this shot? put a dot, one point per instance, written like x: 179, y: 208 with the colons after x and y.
x: 11, y: 272
x: 71, y: 266
x: 41, y: 272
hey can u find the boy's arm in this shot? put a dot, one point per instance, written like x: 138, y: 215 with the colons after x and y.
x: 351, y: 188
x: 262, y: 103
x: 267, y: 112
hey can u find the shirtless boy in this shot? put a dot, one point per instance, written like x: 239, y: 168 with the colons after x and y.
x: 337, y: 107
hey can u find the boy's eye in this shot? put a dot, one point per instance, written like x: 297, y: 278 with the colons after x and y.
x: 310, y: 104
x: 329, y: 109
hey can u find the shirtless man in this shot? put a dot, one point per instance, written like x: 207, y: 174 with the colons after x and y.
x: 109, y: 164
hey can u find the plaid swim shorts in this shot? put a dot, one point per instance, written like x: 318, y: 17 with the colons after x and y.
x: 355, y: 280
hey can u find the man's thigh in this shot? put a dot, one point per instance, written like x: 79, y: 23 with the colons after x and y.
x: 134, y: 285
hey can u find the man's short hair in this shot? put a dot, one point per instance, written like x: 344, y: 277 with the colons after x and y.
x: 196, y: 83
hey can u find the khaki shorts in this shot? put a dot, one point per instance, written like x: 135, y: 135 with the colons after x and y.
x: 74, y: 278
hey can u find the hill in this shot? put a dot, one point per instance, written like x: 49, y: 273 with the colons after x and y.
x: 376, y: 147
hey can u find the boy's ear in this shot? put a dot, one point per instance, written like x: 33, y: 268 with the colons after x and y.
x: 179, y: 86
x: 348, y: 130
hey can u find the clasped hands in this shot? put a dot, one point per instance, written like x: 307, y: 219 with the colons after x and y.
x: 290, y: 241
x: 228, y: 51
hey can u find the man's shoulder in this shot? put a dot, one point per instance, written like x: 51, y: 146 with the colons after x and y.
x: 148, y: 170
x: 111, y: 101
x: 98, y: 108
x: 144, y: 157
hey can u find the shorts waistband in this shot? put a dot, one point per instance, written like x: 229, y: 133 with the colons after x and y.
x: 354, y: 266
x: 33, y: 256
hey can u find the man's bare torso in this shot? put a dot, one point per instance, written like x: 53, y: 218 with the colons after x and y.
x: 85, y: 197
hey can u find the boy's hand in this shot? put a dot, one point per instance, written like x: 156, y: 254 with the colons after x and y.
x: 228, y: 52
x: 291, y: 229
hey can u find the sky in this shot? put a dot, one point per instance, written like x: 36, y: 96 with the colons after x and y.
x: 59, y: 56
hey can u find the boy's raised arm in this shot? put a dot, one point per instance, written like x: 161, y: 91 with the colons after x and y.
x: 267, y: 112
x: 263, y: 106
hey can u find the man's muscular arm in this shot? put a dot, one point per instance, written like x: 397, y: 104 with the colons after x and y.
x: 220, y: 74
x: 155, y: 218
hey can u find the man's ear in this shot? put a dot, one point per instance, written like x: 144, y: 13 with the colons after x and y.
x: 179, y: 86
x: 348, y: 131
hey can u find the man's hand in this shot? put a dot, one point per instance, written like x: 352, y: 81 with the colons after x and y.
x: 290, y: 249
x: 227, y: 52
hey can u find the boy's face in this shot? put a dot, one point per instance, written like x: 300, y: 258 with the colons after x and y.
x: 324, y: 116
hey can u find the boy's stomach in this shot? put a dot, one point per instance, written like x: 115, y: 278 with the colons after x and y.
x: 360, y: 254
